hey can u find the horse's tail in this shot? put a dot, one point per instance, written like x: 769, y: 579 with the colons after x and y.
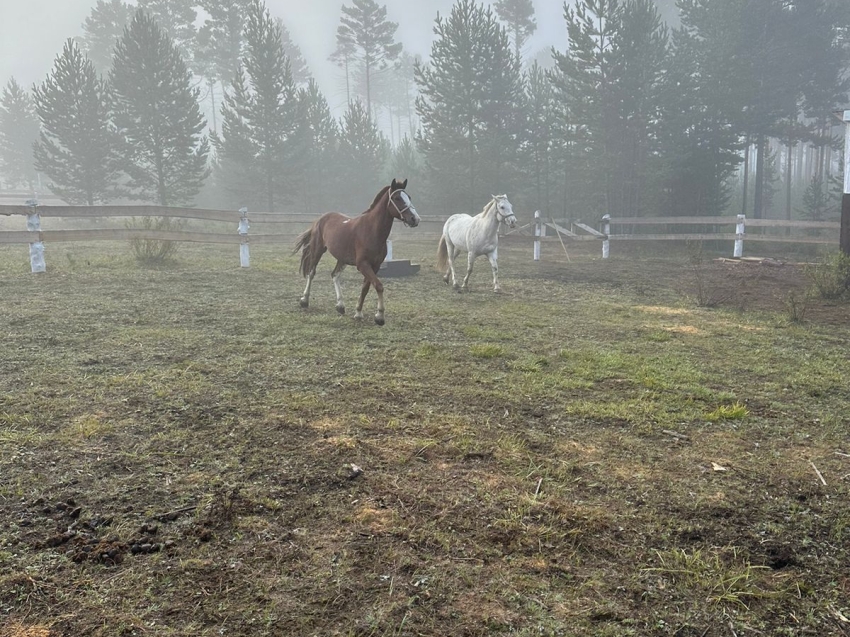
x: 442, y: 254
x: 303, y: 243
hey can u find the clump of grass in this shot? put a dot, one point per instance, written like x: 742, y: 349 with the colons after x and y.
x: 427, y: 350
x: 725, y: 580
x: 532, y: 364
x: 831, y: 277
x: 486, y: 350
x: 736, y: 411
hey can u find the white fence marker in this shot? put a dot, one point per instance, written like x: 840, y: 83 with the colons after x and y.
x: 537, y: 232
x: 244, y: 254
x: 36, y: 247
x: 739, y: 237
x: 606, y: 230
x: 389, y: 250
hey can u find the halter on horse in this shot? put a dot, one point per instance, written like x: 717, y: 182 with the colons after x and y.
x: 358, y: 241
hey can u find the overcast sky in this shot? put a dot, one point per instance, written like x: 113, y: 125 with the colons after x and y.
x: 32, y: 31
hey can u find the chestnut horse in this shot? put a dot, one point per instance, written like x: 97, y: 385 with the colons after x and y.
x: 358, y: 241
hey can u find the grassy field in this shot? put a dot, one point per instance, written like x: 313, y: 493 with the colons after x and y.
x: 630, y: 447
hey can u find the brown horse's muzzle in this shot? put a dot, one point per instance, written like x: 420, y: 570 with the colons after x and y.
x: 410, y: 218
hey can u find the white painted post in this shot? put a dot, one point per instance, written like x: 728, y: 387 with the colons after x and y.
x: 537, y: 233
x: 389, y: 250
x: 739, y: 237
x: 844, y: 228
x: 606, y: 230
x: 244, y: 254
x: 36, y: 247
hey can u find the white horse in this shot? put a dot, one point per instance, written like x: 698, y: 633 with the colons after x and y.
x: 477, y: 235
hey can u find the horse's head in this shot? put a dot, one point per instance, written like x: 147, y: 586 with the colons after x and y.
x: 504, y: 210
x: 400, y: 205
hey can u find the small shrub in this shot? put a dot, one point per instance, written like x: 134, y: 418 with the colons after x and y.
x: 154, y: 251
x: 796, y: 306
x: 831, y: 277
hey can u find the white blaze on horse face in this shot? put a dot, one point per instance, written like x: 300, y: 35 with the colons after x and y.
x: 506, y: 211
x: 409, y: 206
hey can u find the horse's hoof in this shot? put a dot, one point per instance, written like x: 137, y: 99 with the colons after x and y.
x: 358, y: 316
x: 379, y: 320
x: 497, y: 290
x: 340, y: 309
x: 304, y: 303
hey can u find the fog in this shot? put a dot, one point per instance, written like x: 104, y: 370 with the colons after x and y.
x: 32, y: 32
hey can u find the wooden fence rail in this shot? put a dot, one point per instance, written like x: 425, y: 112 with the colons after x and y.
x: 290, y: 224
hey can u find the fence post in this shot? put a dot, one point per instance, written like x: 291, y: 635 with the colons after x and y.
x: 739, y: 237
x: 244, y: 254
x: 36, y: 247
x: 844, y: 228
x: 537, y: 232
x: 389, y: 250
x: 606, y: 230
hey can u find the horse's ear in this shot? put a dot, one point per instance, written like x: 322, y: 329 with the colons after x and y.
x: 404, y: 185
x: 394, y: 185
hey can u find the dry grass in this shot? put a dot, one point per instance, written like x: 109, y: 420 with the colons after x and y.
x: 176, y: 448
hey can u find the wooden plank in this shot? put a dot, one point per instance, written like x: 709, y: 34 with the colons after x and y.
x: 587, y: 228
x: 117, y: 234
x: 17, y: 236
x: 782, y: 223
x: 647, y: 221
x: 562, y: 230
x: 784, y: 239
x: 674, y: 237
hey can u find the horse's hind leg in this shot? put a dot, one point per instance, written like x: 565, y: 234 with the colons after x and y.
x: 493, y: 264
x: 470, y: 258
x: 453, y: 251
x: 305, y: 298
x: 336, y: 275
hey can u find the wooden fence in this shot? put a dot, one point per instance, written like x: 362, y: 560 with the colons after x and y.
x: 631, y: 230
x: 285, y: 226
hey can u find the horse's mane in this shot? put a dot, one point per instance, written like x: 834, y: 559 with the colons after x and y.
x: 377, y: 198
x: 488, y: 207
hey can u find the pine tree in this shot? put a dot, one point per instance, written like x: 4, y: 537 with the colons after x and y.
x: 470, y: 97
x: 260, y: 118
x: 585, y: 83
x: 366, y: 37
x: 157, y: 113
x: 406, y: 161
x: 221, y: 39
x: 540, y: 147
x: 298, y: 66
x: 363, y: 154
x: 78, y: 147
x: 102, y: 29
x: 18, y: 133
x: 518, y: 15
x: 177, y: 19
x: 698, y: 107
x: 319, y: 133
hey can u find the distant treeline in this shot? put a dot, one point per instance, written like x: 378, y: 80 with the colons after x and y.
x: 646, y: 108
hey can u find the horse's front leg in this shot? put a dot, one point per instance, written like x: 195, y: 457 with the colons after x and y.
x: 358, y: 314
x: 493, y: 264
x: 305, y: 298
x: 371, y: 279
x: 470, y: 258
